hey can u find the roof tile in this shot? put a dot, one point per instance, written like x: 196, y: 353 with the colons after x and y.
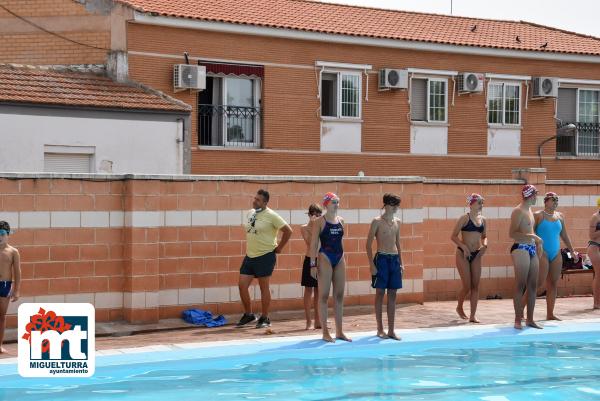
x: 39, y: 85
x: 307, y: 15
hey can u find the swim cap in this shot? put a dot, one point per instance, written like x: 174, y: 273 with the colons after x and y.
x: 329, y: 196
x: 550, y: 195
x: 528, y: 191
x: 473, y: 198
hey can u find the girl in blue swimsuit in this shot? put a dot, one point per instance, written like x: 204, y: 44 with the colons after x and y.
x: 593, y: 251
x: 329, y: 267
x: 550, y: 227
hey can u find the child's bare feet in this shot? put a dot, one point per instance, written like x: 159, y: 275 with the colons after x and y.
x: 342, y: 336
x: 473, y: 319
x: 3, y: 350
x: 317, y: 325
x: 308, y: 324
x: 461, y: 312
x: 533, y: 324
x: 381, y: 334
x: 391, y: 334
x: 518, y: 324
x: 553, y: 317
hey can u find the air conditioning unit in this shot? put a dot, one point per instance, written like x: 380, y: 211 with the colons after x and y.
x: 545, y: 87
x: 187, y: 76
x: 390, y: 78
x: 470, y: 82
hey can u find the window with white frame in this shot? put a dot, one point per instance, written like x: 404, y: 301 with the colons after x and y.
x: 429, y: 100
x: 340, y: 94
x: 504, y: 103
x: 579, y: 106
x: 588, y: 106
x: 588, y: 135
x: 229, y: 112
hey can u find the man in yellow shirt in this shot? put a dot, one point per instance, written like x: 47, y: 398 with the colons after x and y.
x: 262, y: 226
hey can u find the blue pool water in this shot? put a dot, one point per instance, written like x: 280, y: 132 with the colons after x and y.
x: 561, y: 362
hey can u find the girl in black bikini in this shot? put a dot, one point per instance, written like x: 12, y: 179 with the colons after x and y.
x: 472, y: 245
x: 593, y: 251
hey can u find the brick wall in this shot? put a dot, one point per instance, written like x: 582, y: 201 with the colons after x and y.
x: 146, y: 248
x: 446, y: 203
x: 291, y: 123
x: 23, y: 43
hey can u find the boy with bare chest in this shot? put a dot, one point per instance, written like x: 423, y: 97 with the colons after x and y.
x: 10, y: 276
x: 525, y: 254
x: 386, y: 267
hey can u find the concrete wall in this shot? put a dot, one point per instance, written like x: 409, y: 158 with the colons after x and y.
x: 133, y: 142
x: 146, y: 248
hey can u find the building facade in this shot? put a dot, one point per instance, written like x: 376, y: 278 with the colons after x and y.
x: 293, y: 87
x: 70, y: 121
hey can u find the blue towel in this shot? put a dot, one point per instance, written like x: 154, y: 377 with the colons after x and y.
x: 203, y: 318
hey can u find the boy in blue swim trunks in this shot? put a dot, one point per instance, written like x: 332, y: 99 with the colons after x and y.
x: 10, y: 276
x: 386, y: 266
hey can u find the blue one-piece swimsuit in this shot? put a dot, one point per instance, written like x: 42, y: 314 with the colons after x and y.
x: 549, y: 232
x: 331, y: 242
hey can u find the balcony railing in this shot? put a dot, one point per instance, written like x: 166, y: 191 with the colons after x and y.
x: 233, y: 126
x: 585, y: 143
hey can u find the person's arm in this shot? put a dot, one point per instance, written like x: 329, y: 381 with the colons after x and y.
x: 484, y: 239
x: 398, y: 247
x: 456, y: 239
x: 515, y: 233
x: 594, y: 235
x: 305, y: 231
x: 16, y: 291
x: 285, y: 237
x: 565, y: 237
x: 369, y: 246
x: 314, y: 240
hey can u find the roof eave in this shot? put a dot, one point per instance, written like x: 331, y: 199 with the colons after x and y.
x: 112, y: 109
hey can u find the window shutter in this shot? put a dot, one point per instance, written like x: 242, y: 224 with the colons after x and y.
x: 67, y: 163
x: 567, y: 105
x: 418, y: 100
x: 329, y: 95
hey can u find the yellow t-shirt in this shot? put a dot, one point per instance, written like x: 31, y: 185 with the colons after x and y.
x: 261, y: 232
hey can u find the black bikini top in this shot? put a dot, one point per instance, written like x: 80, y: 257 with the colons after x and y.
x: 471, y: 227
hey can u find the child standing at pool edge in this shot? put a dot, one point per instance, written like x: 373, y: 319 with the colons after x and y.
x: 386, y: 267
x: 331, y: 267
x: 10, y: 276
x: 309, y: 283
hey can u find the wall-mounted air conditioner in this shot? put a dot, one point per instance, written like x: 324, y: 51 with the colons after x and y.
x: 390, y: 78
x: 187, y: 76
x: 470, y: 82
x: 545, y: 87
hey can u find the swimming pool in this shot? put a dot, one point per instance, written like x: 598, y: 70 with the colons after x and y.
x: 489, y: 363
